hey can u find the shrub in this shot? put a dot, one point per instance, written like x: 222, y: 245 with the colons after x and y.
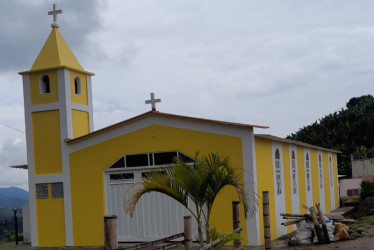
x: 367, y: 189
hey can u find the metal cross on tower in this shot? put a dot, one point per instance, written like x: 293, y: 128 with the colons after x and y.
x: 54, y: 13
x: 153, y: 101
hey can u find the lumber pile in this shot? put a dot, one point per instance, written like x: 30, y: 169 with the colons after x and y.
x: 314, y: 222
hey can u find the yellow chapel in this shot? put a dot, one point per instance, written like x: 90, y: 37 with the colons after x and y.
x: 77, y: 175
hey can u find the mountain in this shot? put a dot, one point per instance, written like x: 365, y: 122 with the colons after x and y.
x: 13, y: 197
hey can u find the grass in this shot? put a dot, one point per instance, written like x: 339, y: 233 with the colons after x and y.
x: 364, y: 222
x: 349, y: 200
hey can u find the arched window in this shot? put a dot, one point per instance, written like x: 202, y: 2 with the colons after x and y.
x: 293, y: 168
x: 44, y: 84
x: 307, y: 172
x: 77, y: 85
x: 278, y: 173
x: 320, y: 171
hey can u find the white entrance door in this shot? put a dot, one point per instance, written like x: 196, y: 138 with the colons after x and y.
x: 156, y: 215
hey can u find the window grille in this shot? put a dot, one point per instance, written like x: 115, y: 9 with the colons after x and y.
x: 42, y: 191
x: 57, y: 189
x: 123, y: 176
x: 147, y: 160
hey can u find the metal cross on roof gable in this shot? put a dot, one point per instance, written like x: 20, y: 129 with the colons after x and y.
x: 54, y: 13
x: 153, y: 101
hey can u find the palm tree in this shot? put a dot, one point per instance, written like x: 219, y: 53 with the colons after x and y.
x: 195, y: 186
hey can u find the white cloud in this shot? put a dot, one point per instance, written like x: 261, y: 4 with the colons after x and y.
x: 278, y: 63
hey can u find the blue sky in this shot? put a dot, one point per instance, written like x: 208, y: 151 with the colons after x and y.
x: 283, y: 64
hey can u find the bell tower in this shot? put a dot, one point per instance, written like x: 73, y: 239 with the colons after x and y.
x: 58, y: 105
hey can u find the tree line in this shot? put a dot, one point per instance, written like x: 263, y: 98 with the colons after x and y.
x: 350, y: 130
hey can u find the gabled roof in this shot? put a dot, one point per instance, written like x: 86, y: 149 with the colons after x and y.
x: 56, y: 53
x: 159, y: 114
x: 299, y: 143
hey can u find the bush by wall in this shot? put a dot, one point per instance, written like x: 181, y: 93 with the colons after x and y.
x: 367, y: 189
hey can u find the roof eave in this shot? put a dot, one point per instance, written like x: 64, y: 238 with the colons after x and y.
x: 56, y: 67
x: 119, y: 124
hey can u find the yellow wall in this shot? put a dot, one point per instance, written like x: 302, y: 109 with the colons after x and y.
x: 315, y: 175
x: 326, y: 183
x: 265, y: 173
x: 82, y: 98
x: 50, y: 221
x: 36, y: 97
x: 88, y: 200
x: 81, y: 124
x: 46, y: 142
x: 301, y: 175
x: 287, y: 182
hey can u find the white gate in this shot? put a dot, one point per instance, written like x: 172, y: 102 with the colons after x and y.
x: 156, y: 215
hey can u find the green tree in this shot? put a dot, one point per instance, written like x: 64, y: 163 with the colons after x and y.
x: 195, y: 186
x: 348, y: 130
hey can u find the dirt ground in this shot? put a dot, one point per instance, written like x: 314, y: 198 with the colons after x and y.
x: 365, y: 242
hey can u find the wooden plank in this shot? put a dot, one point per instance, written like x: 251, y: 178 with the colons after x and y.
x: 153, y: 243
x: 266, y: 219
x: 291, y: 222
x: 324, y: 227
x: 316, y: 226
x: 217, y: 241
x: 236, y: 221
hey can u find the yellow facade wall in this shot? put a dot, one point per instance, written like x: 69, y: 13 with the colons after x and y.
x: 81, y: 123
x: 88, y: 200
x: 46, y: 142
x: 301, y: 176
x: 326, y: 183
x: 35, y: 95
x: 50, y: 219
x: 287, y: 182
x: 265, y: 173
x: 83, y: 97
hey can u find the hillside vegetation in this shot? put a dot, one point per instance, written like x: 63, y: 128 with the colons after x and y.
x: 11, y: 198
x: 350, y: 130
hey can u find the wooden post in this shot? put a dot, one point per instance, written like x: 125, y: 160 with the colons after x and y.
x: 15, y: 226
x: 236, y: 221
x: 316, y: 225
x: 187, y: 233
x: 266, y: 217
x: 110, y: 232
x: 324, y: 227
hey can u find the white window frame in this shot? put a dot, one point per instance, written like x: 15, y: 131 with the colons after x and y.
x: 320, y: 171
x: 308, y: 173
x: 293, y: 172
x: 278, y: 173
